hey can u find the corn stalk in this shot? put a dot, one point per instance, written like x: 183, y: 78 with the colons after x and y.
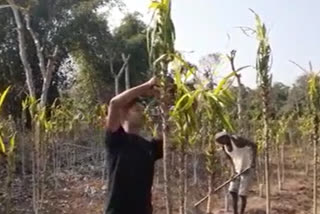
x: 305, y: 127
x: 184, y: 119
x: 264, y: 80
x: 213, y: 103
x: 280, y: 130
x: 160, y: 44
x: 314, y: 99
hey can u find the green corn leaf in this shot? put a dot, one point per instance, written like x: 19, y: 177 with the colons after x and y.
x: 243, y: 67
x: 222, y: 83
x: 154, y: 5
x: 12, y: 144
x: 42, y: 115
x: 25, y: 104
x: 190, y: 101
x: 3, y: 96
x: 2, y: 147
x: 163, y: 56
x: 181, y: 102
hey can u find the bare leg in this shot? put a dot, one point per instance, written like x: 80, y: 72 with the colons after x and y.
x: 234, y: 202
x: 243, y: 202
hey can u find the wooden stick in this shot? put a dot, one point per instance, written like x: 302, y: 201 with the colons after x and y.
x: 220, y: 187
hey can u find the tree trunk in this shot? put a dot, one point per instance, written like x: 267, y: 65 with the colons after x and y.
x: 38, y: 154
x: 23, y: 49
x: 48, y: 78
x: 119, y: 74
x: 127, y: 74
x: 239, y: 105
x: 240, y: 93
x: 116, y: 85
x: 37, y: 45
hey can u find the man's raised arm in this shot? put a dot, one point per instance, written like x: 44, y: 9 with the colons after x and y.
x: 118, y: 103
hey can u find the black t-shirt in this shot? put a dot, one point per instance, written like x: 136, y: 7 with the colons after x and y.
x: 131, y: 161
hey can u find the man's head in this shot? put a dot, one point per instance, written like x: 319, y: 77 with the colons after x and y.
x: 222, y: 138
x: 132, y: 114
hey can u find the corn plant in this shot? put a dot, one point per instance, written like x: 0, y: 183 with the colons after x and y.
x: 264, y: 80
x: 305, y: 128
x: 160, y: 43
x: 211, y: 106
x: 279, y: 129
x: 313, y: 91
x: 184, y: 119
x: 314, y: 99
x: 39, y: 150
x: 216, y: 101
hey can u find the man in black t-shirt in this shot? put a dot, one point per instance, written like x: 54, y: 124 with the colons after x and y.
x: 131, y: 158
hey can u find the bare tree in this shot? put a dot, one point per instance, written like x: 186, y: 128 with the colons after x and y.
x: 117, y: 76
x: 23, y: 48
x: 208, y: 65
x: 39, y: 151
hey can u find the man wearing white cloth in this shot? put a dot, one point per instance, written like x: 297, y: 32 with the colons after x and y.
x: 242, y: 154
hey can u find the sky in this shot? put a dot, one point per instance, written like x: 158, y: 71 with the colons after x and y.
x: 210, y: 26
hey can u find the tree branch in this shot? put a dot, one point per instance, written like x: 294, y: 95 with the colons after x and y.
x: 125, y: 63
x: 51, y: 65
x: 22, y: 49
x: 4, y: 6
x: 111, y: 65
x: 37, y: 44
x: 127, y: 75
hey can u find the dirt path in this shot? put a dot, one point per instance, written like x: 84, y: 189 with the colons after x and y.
x: 295, y: 198
x: 84, y: 195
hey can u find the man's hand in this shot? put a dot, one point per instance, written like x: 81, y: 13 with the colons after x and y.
x: 152, y: 89
x: 118, y: 103
x: 152, y: 82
